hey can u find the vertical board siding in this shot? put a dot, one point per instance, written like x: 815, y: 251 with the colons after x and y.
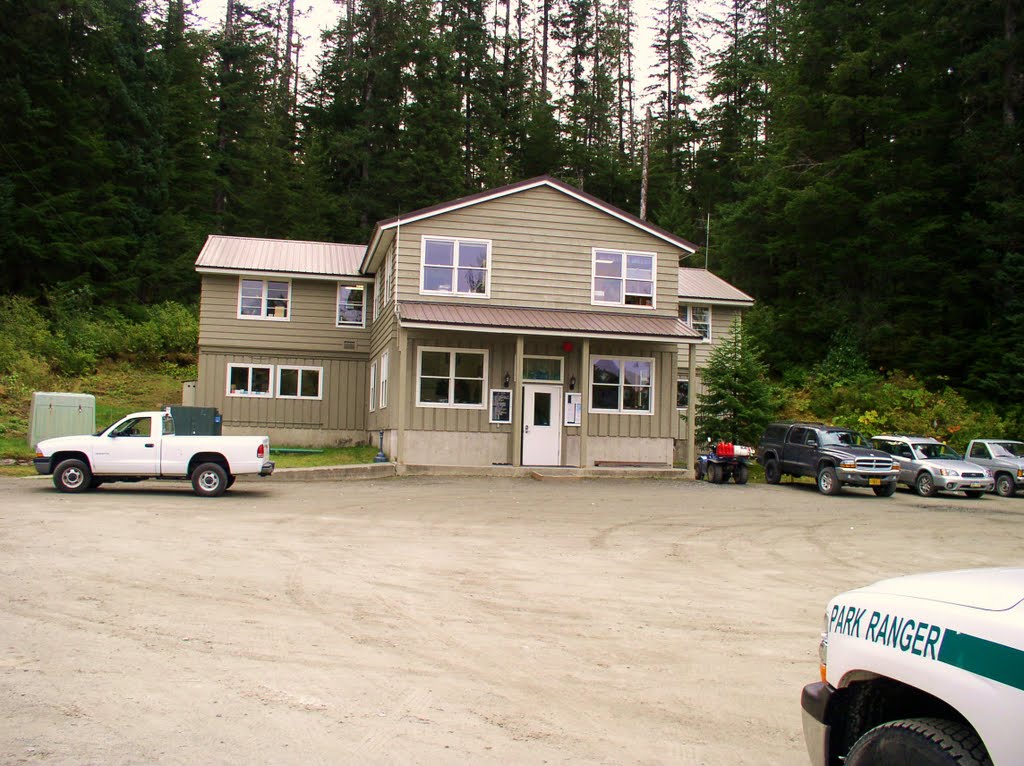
x: 311, y: 328
x: 659, y: 424
x: 541, y: 251
x: 342, y: 407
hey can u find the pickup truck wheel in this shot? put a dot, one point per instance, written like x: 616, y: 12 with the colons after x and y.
x: 741, y: 474
x: 772, y: 472
x: 209, y: 480
x: 828, y: 481
x: 1005, y: 486
x: 925, y: 485
x: 72, y: 476
x: 922, y: 742
x: 886, y: 490
x: 231, y: 480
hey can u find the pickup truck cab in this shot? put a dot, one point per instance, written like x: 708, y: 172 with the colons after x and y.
x: 1005, y: 458
x: 926, y: 670
x: 143, y: 445
x: 832, y: 455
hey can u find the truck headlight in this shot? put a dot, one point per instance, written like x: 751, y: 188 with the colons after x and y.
x: 823, y: 648
x: 849, y: 464
x: 895, y: 466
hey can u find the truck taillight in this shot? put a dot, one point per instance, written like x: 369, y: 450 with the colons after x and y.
x: 261, y: 451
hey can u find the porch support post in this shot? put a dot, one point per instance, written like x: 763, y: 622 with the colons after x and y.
x: 517, y: 405
x: 691, y: 406
x: 404, y: 388
x: 584, y: 400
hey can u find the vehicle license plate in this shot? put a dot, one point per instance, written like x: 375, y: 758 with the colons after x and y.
x: 975, y: 484
x: 874, y: 482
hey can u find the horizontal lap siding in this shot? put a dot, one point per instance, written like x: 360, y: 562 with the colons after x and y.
x: 542, y: 244
x: 721, y: 322
x: 311, y: 328
x: 342, y: 407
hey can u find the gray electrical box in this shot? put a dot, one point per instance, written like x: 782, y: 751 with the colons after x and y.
x: 196, y: 421
x: 57, y: 414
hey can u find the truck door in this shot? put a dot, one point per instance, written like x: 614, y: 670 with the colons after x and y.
x: 979, y: 454
x: 130, y: 448
x: 794, y: 455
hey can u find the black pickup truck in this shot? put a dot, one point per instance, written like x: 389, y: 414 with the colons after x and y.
x: 833, y: 456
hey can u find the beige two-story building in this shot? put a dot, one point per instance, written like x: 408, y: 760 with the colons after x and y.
x: 528, y: 325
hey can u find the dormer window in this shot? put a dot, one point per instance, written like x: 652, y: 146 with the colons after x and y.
x: 622, y: 278
x: 456, y: 267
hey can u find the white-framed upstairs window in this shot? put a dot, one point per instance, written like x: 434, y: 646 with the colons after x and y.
x: 623, y: 385
x: 623, y: 278
x: 451, y: 377
x: 384, y: 379
x: 450, y: 266
x: 264, y: 299
x: 698, y: 317
x: 351, y: 306
x: 373, y: 386
x: 250, y: 380
x: 299, y: 382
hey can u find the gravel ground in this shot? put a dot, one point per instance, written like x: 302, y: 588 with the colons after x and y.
x: 441, y: 620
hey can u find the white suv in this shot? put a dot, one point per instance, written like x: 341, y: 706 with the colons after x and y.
x: 929, y: 466
x: 925, y: 670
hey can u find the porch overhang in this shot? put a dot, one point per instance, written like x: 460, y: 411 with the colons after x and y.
x: 544, y: 322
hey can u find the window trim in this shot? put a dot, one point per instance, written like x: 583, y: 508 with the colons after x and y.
x: 383, y: 384
x: 456, y: 242
x: 450, y: 405
x: 373, y: 386
x: 686, y: 380
x: 590, y: 381
x: 262, y: 317
x: 300, y: 368
x: 250, y: 367
x: 594, y: 301
x: 337, y: 303
x: 689, y: 307
x: 561, y: 369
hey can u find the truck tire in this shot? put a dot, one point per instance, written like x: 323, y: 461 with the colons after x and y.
x: 72, y: 476
x: 925, y: 485
x: 886, y: 490
x: 209, y: 480
x: 741, y: 474
x: 920, y: 741
x: 828, y: 481
x: 772, y: 472
x: 1005, y: 486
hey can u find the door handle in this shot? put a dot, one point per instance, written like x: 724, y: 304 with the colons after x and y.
x: 149, y: 445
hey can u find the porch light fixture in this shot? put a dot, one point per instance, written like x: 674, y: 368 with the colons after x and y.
x: 508, y: 379
x: 572, y: 383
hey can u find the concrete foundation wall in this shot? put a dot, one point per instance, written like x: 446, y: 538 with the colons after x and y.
x: 300, y: 437
x: 448, y: 448
x: 638, y: 450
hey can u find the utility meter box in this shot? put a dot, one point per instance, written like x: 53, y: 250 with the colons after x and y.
x: 196, y: 421
x: 57, y: 414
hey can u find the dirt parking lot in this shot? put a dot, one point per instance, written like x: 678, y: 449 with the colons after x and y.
x: 441, y: 620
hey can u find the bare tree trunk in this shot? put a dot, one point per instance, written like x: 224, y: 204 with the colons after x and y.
x: 220, y: 196
x: 544, y: 50
x: 1011, y: 86
x: 646, y: 157
x: 286, y: 75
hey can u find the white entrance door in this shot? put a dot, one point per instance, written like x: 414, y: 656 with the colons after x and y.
x: 542, y: 424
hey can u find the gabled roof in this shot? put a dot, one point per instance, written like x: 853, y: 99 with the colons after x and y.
x: 701, y: 284
x: 245, y: 255
x: 532, y: 183
x: 588, y: 324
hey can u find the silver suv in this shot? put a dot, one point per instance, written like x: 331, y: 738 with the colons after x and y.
x: 929, y: 466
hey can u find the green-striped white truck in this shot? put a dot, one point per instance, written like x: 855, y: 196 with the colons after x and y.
x: 925, y: 669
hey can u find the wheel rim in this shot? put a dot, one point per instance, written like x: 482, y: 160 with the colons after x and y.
x: 73, y: 478
x: 209, y: 481
x: 825, y: 481
x: 924, y: 484
x: 1003, y: 485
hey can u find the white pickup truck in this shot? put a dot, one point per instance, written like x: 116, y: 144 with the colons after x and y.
x: 924, y: 670
x: 143, y: 445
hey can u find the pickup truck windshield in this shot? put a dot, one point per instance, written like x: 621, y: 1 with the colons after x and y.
x: 1008, y: 449
x: 933, y: 451
x: 844, y: 438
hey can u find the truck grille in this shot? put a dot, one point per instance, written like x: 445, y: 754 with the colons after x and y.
x: 874, y: 464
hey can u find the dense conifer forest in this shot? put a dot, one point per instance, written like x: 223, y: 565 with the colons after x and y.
x: 859, y: 162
